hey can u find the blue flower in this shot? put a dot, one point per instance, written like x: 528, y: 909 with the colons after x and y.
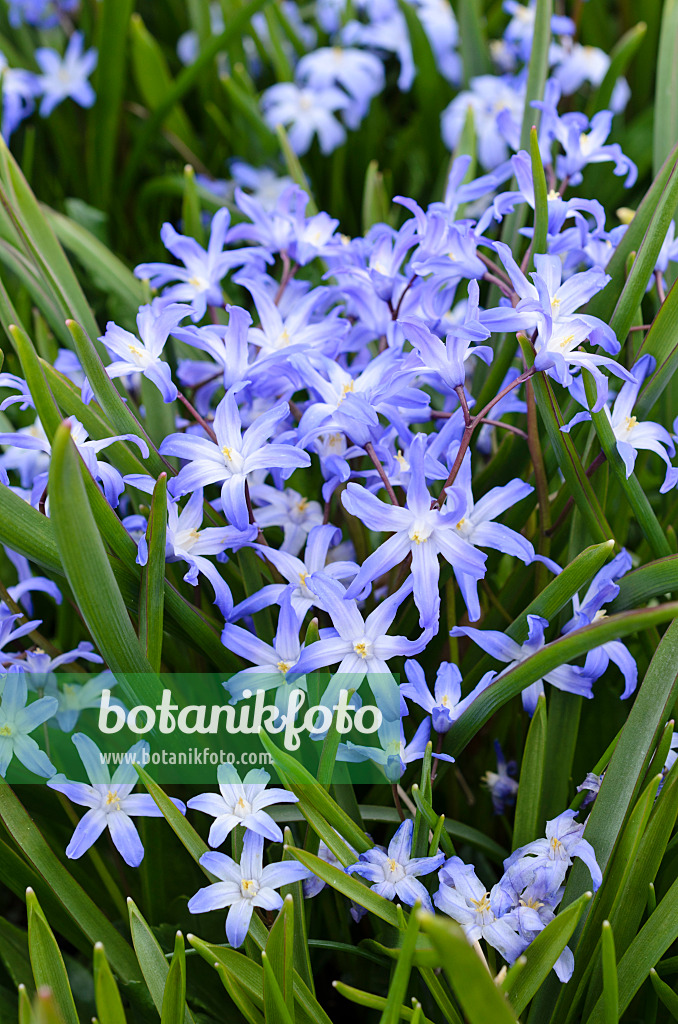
x: 244, y: 886
x: 296, y: 572
x: 551, y: 308
x: 110, y: 801
x: 360, y: 74
x: 566, y: 677
x: 630, y: 435
x: 564, y: 841
x: 233, y: 457
x: 464, y: 898
x: 394, y: 873
x: 306, y: 113
x: 17, y: 721
x: 203, y: 270
x: 447, y: 359
x: 394, y: 753
x: 362, y: 647
x: 241, y: 803
x: 66, y: 77
x: 155, y: 323
x: 445, y: 704
x: 273, y: 663
x: 503, y: 788
x: 420, y: 531
x: 73, y: 697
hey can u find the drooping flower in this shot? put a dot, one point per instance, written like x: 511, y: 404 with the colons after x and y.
x: 502, y: 785
x: 569, y: 678
x: 241, y: 803
x: 111, y: 802
x: 394, y: 873
x: 244, y: 886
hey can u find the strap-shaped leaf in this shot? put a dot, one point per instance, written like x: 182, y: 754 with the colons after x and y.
x: 84, y: 558
x: 73, y: 899
x: 151, y: 960
x: 275, y: 1008
x: 479, y: 997
x: 280, y: 953
x: 527, y: 824
x: 374, y: 1002
x: 348, y: 885
x: 560, y: 652
x: 106, y: 993
x: 543, y: 952
x: 49, y: 969
x: 174, y: 996
x: 152, y: 596
x: 397, y: 990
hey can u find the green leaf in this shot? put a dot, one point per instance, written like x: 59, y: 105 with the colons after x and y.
x: 623, y: 779
x: 84, y: 558
x: 602, y: 305
x: 49, y: 969
x: 106, y: 993
x: 175, y: 819
x: 560, y: 652
x: 105, y: 269
x: 152, y: 597
x: 313, y: 798
x: 610, y: 982
x: 174, y: 996
x: 528, y: 825
x: 40, y: 243
x: 109, y: 84
x: 630, y: 485
x: 646, y: 258
x: 300, y: 954
x: 665, y: 993
x: 114, y: 407
x: 373, y: 1002
x: 275, y: 1009
x: 473, y: 44
x: 621, y: 55
x: 543, y: 952
x: 152, y: 960
x: 239, y: 996
x: 155, y: 82
x: 57, y: 880
x: 552, y: 599
x: 376, y: 203
x: 569, y: 462
x: 666, y: 86
x: 648, y: 581
x: 25, y: 1008
x: 280, y: 954
x: 471, y: 982
x: 541, y: 207
x: 191, y: 214
x: 14, y: 953
x: 648, y: 947
x: 397, y: 990
x: 661, y: 342
x: 349, y: 886
x: 46, y: 407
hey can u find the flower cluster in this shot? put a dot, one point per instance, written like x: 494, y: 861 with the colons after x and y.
x: 525, y: 898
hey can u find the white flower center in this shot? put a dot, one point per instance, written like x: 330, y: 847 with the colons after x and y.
x: 249, y: 887
x: 185, y: 539
x: 112, y: 801
x: 393, y: 871
x: 233, y: 459
x: 363, y: 647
